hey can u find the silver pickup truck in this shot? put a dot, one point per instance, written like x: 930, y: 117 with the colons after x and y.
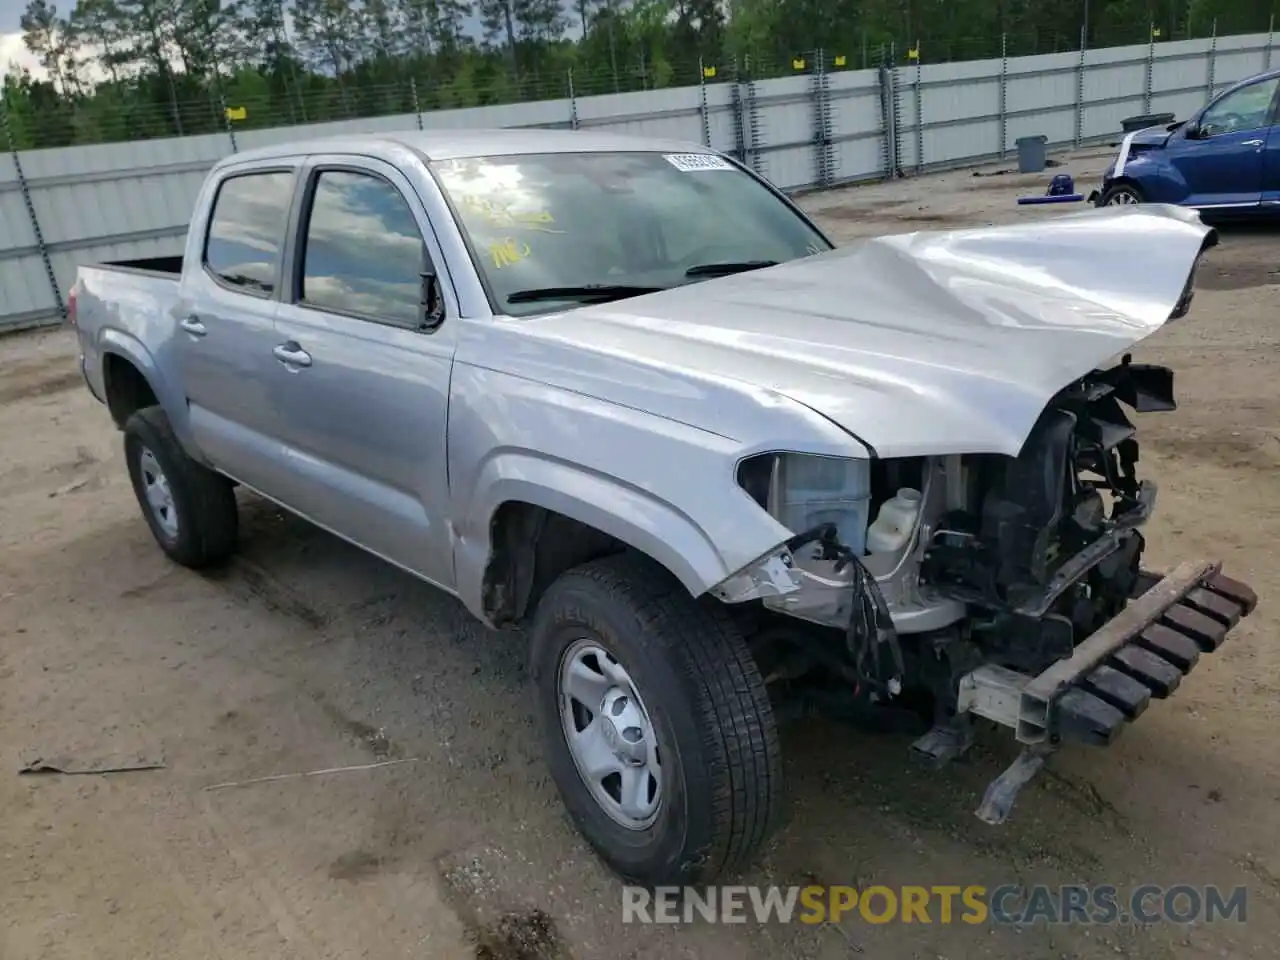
x: 625, y: 390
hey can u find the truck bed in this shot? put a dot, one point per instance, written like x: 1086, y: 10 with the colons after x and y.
x: 134, y: 298
x: 166, y: 267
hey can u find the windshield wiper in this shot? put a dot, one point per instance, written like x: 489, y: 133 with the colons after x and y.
x: 725, y: 269
x: 587, y: 293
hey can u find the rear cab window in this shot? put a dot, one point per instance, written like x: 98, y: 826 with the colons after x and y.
x: 246, y: 230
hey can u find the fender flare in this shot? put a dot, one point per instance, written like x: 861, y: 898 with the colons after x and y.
x: 630, y: 515
x: 130, y: 348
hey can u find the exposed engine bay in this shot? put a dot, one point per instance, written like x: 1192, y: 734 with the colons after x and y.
x: 1006, y: 560
x: 1047, y: 549
x: 922, y: 589
x: 990, y: 570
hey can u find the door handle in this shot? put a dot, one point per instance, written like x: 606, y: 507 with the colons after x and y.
x: 1251, y: 143
x: 292, y: 355
x: 193, y: 326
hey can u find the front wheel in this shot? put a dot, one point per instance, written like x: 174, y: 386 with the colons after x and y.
x: 1120, y: 195
x: 659, y: 732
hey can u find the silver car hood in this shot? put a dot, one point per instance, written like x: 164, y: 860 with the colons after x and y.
x: 922, y: 343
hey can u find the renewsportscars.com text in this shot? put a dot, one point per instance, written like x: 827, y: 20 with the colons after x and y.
x: 939, y: 904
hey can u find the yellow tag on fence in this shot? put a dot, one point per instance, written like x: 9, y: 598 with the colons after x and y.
x: 798, y: 63
x: 237, y: 113
x: 840, y: 60
x: 708, y: 71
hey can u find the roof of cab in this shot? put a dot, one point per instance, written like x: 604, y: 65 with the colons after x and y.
x: 456, y: 143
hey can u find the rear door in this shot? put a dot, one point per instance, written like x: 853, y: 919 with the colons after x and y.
x: 364, y: 389
x: 226, y: 323
x: 1223, y: 165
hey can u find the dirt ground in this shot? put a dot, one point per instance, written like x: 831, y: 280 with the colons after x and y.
x: 307, y: 655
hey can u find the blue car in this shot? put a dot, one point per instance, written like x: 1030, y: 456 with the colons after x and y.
x: 1225, y: 158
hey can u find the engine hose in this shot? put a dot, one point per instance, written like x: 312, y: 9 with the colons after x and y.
x: 870, y: 623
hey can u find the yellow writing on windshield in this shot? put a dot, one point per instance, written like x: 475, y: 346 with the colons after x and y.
x: 501, y: 215
x: 507, y: 251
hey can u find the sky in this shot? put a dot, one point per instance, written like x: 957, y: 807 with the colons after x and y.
x: 12, y: 50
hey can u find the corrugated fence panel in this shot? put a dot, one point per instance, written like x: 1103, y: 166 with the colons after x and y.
x: 672, y: 114
x: 15, y: 224
x: 542, y: 113
x: 1113, y: 83
x: 961, y: 106
x: 719, y: 116
x: 16, y: 232
x: 27, y: 298
x: 1238, y: 58
x: 855, y: 125
x: 99, y: 202
x: 908, y: 154
x: 1179, y: 78
x: 1041, y: 97
x: 787, y: 129
x: 124, y: 200
x: 249, y: 139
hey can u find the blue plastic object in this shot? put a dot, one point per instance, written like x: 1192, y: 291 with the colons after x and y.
x: 1061, y: 185
x: 1051, y: 198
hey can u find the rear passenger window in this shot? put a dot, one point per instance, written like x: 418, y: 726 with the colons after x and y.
x: 364, y: 252
x: 246, y: 231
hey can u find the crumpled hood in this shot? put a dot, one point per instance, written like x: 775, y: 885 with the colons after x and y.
x: 922, y: 343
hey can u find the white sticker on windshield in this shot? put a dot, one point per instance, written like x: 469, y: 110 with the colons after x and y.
x: 697, y: 162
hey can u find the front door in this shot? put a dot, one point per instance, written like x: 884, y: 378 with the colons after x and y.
x: 366, y: 386
x: 1271, y: 167
x: 225, y: 325
x: 1223, y: 165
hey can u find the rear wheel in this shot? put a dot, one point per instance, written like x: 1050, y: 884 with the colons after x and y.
x: 190, y: 509
x: 1120, y: 195
x: 658, y: 729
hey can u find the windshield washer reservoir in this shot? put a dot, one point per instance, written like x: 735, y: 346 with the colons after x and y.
x: 895, y: 522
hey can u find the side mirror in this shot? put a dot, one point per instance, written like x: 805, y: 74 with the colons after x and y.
x: 1192, y: 129
x: 431, y: 306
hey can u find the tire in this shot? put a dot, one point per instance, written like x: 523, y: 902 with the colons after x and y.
x: 708, y: 714
x: 200, y: 525
x: 1121, y: 194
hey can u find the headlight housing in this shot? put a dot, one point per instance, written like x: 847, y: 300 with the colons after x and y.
x: 802, y: 491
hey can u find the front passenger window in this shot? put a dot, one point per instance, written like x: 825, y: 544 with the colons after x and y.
x: 364, y: 254
x: 1248, y: 108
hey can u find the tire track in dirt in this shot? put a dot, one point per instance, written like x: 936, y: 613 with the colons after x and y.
x: 39, y: 378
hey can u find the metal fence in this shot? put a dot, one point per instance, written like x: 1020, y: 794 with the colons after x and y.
x: 821, y: 128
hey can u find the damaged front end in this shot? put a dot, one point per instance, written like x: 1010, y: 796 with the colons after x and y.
x: 1012, y: 589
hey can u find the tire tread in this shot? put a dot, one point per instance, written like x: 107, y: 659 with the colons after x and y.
x: 214, y: 524
x: 740, y: 738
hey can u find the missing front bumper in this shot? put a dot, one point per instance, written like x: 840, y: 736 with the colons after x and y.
x: 1110, y: 678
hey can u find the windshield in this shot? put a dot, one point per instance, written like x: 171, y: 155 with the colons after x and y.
x: 543, y: 226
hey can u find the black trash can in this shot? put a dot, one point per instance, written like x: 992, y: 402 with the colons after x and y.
x: 1131, y: 124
